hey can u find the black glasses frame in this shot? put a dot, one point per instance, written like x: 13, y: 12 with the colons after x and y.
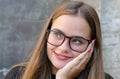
x: 48, y: 32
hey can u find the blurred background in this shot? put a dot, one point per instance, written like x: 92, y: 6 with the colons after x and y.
x: 21, y: 22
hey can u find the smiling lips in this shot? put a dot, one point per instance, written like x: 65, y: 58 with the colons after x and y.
x: 61, y: 57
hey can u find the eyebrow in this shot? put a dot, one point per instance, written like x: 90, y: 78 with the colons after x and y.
x: 55, y: 29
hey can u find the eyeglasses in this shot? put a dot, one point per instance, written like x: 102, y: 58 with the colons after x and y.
x: 76, y: 43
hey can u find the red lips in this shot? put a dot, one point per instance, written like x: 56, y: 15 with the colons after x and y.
x: 61, y: 57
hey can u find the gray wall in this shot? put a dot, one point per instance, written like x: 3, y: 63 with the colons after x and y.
x: 21, y: 22
x: 20, y: 25
x: 110, y: 18
x: 109, y: 14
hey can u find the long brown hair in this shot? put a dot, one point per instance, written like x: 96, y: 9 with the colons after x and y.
x: 39, y: 66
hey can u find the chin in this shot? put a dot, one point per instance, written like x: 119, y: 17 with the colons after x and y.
x: 59, y: 65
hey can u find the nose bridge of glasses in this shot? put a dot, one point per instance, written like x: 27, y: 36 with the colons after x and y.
x: 65, y: 44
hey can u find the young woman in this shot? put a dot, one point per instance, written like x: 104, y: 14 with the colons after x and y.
x: 70, y: 47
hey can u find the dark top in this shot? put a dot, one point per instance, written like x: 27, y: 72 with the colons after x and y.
x: 16, y: 72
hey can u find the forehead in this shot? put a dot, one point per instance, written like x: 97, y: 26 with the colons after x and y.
x: 72, y: 25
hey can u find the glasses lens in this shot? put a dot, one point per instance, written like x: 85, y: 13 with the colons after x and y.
x: 79, y: 44
x: 55, y: 38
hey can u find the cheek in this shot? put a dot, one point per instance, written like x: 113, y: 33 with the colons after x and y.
x: 50, y: 47
x: 75, y: 54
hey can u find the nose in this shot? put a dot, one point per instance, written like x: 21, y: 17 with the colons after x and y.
x: 65, y: 45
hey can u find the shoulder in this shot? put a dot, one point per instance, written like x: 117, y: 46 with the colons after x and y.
x: 15, y: 72
x: 108, y: 76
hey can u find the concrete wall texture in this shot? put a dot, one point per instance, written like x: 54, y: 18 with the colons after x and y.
x: 21, y: 22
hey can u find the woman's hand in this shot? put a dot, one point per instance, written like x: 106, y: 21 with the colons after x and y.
x: 74, y: 67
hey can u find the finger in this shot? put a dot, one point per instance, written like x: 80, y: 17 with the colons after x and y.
x: 89, y: 50
x: 82, y: 64
x: 91, y: 45
x: 86, y: 56
x: 83, y: 56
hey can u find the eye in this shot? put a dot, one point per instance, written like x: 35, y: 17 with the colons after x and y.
x: 58, y: 35
x: 76, y: 41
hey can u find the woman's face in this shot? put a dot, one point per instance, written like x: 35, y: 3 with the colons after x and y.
x: 69, y: 25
